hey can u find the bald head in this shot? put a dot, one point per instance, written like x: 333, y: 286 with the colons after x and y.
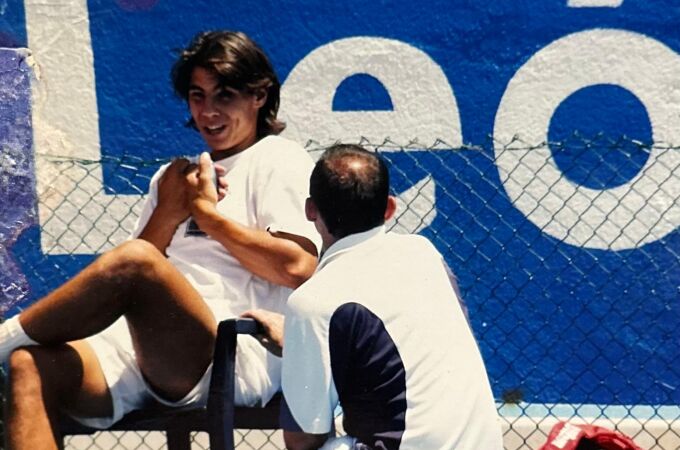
x: 350, y: 187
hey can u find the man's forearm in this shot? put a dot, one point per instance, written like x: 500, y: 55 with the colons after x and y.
x: 159, y: 232
x: 280, y: 260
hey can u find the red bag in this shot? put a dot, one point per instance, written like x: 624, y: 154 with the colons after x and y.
x: 568, y: 436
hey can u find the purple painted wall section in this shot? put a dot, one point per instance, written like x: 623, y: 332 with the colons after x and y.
x: 17, y: 179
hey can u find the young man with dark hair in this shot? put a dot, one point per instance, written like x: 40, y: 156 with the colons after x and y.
x: 378, y: 329
x: 232, y: 57
x: 138, y: 325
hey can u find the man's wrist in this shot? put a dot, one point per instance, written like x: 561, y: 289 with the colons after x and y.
x: 204, y: 213
x: 165, y: 221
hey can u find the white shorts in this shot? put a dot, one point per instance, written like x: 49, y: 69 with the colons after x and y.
x: 258, y: 376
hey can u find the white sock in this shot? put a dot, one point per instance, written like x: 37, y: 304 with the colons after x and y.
x: 12, y: 336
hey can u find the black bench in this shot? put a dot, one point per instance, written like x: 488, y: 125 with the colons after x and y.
x: 219, y: 418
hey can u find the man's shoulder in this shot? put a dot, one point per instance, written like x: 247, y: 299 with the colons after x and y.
x: 320, y: 293
x: 410, y: 243
x: 280, y: 154
x: 408, y: 238
x: 278, y: 144
x: 313, y: 287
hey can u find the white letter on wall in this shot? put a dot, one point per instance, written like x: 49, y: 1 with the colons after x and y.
x: 425, y: 108
x: 76, y: 216
x: 628, y: 216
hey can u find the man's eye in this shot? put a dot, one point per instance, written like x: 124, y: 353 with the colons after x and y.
x: 195, y: 95
x: 226, y: 95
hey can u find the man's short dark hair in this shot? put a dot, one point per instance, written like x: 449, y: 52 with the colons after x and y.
x: 349, y: 186
x: 239, y: 63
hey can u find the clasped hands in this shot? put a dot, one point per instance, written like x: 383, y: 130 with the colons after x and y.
x: 187, y: 188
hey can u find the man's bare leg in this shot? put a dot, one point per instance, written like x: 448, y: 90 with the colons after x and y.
x: 172, y: 328
x: 45, y: 380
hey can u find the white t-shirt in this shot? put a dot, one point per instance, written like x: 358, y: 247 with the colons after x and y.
x: 267, y: 187
x: 379, y: 329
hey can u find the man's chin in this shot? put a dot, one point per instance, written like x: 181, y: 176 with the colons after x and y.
x: 217, y: 144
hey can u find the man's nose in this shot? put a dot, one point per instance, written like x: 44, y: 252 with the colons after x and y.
x: 210, y: 107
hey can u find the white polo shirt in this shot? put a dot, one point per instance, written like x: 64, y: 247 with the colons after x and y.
x: 379, y: 329
x: 268, y: 186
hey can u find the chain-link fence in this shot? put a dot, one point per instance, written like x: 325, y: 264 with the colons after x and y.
x: 567, y: 254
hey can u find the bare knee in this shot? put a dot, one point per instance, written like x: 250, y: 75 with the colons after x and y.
x: 25, y: 381
x: 40, y: 373
x: 34, y: 400
x: 22, y: 364
x: 131, y: 260
x: 65, y: 378
x: 139, y: 250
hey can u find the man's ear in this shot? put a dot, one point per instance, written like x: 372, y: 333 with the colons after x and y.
x: 391, y: 207
x: 260, y: 97
x: 311, y: 211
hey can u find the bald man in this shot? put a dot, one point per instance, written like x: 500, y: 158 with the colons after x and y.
x: 378, y: 329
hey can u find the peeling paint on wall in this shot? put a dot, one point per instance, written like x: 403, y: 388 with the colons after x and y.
x: 17, y: 176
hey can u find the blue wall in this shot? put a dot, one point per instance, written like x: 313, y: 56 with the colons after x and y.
x: 557, y: 322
